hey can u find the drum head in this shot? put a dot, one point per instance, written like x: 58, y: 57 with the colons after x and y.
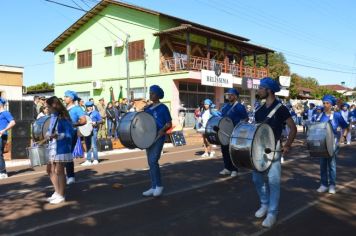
x: 40, y: 128
x: 225, y: 130
x: 330, y: 139
x: 86, y: 129
x: 264, y: 138
x: 143, y: 130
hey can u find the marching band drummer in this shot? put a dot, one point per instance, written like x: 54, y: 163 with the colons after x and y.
x: 60, y: 134
x: 346, y: 114
x: 90, y: 141
x: 77, y: 116
x: 328, y: 165
x: 163, y: 120
x: 268, y: 189
x: 236, y: 112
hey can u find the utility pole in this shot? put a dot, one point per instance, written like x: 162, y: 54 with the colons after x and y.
x: 144, y: 73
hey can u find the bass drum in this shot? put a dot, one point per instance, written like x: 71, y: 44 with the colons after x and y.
x: 321, y: 140
x: 137, y: 130
x: 218, y: 130
x: 248, y: 143
x: 86, y: 130
x: 40, y: 128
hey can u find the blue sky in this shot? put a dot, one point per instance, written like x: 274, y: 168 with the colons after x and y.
x: 313, y: 33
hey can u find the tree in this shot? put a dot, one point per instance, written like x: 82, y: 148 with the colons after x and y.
x: 40, y: 87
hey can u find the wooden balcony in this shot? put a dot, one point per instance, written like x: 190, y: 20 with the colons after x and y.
x: 172, y: 64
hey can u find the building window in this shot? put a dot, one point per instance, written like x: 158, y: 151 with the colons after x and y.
x: 108, y: 51
x: 84, y: 59
x: 136, y: 50
x: 61, y: 59
x: 84, y: 95
x: 138, y: 92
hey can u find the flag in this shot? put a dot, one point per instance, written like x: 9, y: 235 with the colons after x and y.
x: 120, y: 95
x: 112, y: 97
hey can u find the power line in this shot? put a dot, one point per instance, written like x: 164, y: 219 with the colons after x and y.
x: 319, y: 68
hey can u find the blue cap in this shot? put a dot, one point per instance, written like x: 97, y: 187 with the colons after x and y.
x: 311, y: 104
x: 346, y: 105
x: 2, y: 101
x: 330, y: 99
x: 232, y: 91
x: 319, y: 108
x: 270, y: 83
x: 157, y: 90
x: 71, y: 94
x: 208, y: 102
x: 89, y: 104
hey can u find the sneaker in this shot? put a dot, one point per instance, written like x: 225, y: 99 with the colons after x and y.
x: 322, y: 189
x: 59, y: 199
x: 86, y: 163
x: 95, y: 162
x: 212, y: 154
x: 332, y: 189
x: 52, y: 197
x: 262, y: 211
x: 233, y: 173
x: 269, y: 221
x: 282, y: 159
x: 225, y: 172
x: 348, y: 143
x: 70, y: 180
x: 3, y: 176
x: 148, y: 193
x: 158, y: 191
x: 205, y: 154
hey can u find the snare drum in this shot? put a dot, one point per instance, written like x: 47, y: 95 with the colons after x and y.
x: 137, y: 130
x: 321, y: 140
x: 248, y: 143
x: 40, y: 128
x: 218, y: 130
x: 38, y: 155
x: 85, y: 130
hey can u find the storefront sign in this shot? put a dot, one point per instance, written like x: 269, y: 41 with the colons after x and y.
x: 249, y: 83
x: 216, y: 78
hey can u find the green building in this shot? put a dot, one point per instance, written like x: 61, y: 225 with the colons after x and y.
x: 189, y: 61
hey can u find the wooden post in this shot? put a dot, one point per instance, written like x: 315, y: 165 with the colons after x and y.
x: 254, y: 65
x: 188, y: 50
x: 241, y: 63
x: 267, y: 64
x: 225, y: 56
x: 208, y: 53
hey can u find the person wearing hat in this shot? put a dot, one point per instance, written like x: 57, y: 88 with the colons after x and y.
x: 234, y: 110
x: 6, y: 122
x: 102, y: 111
x: 268, y: 183
x: 163, y: 119
x: 91, y: 140
x: 328, y: 165
x: 318, y: 111
x: 346, y: 114
x: 77, y: 116
x: 206, y: 113
x: 309, y: 115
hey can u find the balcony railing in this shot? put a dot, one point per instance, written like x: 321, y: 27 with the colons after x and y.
x: 172, y: 64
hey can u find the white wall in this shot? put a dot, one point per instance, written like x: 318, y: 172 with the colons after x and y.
x: 11, y: 92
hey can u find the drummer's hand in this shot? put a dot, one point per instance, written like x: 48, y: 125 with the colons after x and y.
x: 286, y: 149
x: 54, y: 136
x: 1, y: 132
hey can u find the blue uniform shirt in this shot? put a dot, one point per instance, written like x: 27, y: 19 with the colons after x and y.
x: 95, y: 117
x: 161, y: 115
x: 336, y: 122
x: 277, y: 121
x: 5, y: 119
x: 236, y: 114
x: 75, y: 113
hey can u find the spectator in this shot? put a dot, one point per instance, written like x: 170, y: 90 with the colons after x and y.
x: 81, y: 104
x: 111, y: 120
x: 92, y: 100
x: 102, y: 110
x: 44, y: 111
x: 35, y: 102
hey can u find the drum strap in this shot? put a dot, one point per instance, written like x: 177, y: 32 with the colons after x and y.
x: 154, y: 106
x: 275, y: 109
x: 321, y: 114
x: 232, y: 107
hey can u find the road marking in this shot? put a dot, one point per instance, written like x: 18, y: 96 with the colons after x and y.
x: 104, y: 163
x: 300, y: 210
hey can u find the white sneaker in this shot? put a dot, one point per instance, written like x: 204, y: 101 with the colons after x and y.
x: 233, y: 173
x: 70, y: 180
x: 212, y: 154
x: 95, y: 162
x: 332, y: 189
x: 148, y: 193
x: 269, y: 221
x: 262, y: 211
x: 322, y: 189
x: 59, y: 199
x: 3, y: 176
x: 348, y: 143
x: 158, y: 191
x: 52, y: 197
x: 205, y: 154
x: 225, y: 172
x: 86, y: 163
x: 282, y: 159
